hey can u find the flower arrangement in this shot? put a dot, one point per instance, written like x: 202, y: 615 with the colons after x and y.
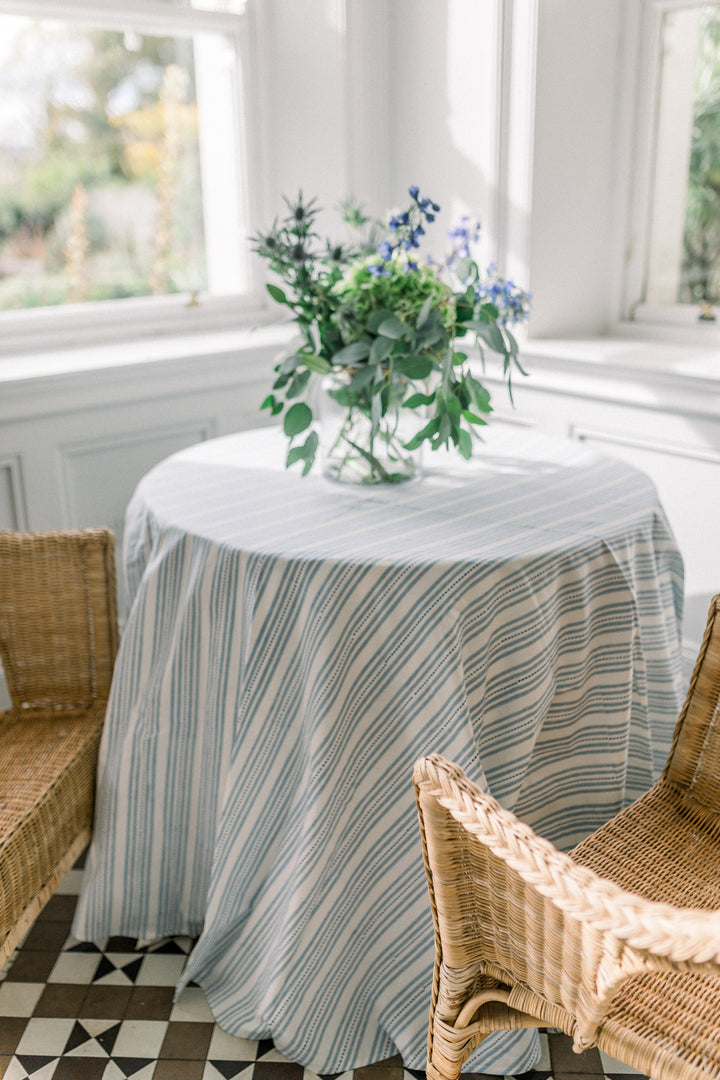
x: 383, y: 323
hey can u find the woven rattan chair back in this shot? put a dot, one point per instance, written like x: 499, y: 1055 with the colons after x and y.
x: 58, y: 618
x: 617, y: 943
x: 694, y: 760
x: 58, y: 639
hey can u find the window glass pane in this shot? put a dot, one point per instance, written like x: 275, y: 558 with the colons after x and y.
x: 684, y: 256
x: 104, y: 141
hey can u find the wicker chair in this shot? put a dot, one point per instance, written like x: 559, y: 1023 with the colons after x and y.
x: 58, y: 639
x: 617, y: 943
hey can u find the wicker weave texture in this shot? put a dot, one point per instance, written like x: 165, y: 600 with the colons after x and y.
x: 58, y: 661
x: 694, y: 760
x: 58, y: 618
x: 617, y: 943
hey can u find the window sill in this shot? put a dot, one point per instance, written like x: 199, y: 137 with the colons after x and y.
x: 627, y: 368
x: 621, y: 368
x: 160, y: 366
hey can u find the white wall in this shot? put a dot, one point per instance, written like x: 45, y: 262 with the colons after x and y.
x: 369, y: 96
x: 575, y: 167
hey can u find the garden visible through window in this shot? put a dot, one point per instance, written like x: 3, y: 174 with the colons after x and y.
x: 684, y: 253
x: 106, y: 143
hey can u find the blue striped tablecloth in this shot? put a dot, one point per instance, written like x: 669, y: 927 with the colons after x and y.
x: 292, y: 646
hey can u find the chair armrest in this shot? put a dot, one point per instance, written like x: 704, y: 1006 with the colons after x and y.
x: 510, y: 903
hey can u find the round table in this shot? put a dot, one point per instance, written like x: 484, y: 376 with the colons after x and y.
x: 293, y: 645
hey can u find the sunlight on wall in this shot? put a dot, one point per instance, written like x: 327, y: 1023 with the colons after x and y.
x: 472, y: 81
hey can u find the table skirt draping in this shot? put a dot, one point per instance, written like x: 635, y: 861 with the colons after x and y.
x: 292, y: 648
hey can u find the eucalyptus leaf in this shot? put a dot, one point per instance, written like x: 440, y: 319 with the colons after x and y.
x: 311, y: 443
x: 453, y: 407
x: 298, y: 384
x: 277, y: 294
x: 344, y: 395
x: 394, y: 328
x: 431, y: 336
x: 380, y: 350
x: 289, y: 364
x: 305, y: 453
x: 473, y: 418
x: 424, y: 312
x: 512, y: 344
x: 272, y: 404
x: 376, y: 411
x: 297, y: 419
x: 363, y: 377
x: 416, y: 400
x: 427, y: 432
x: 444, y: 430
x: 481, y: 396
x: 489, y: 332
x: 352, y: 354
x: 464, y: 444
x: 466, y: 269
x: 377, y: 317
x: 414, y: 367
x: 318, y: 364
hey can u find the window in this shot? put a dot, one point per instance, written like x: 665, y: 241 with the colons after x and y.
x: 680, y: 278
x: 121, y: 150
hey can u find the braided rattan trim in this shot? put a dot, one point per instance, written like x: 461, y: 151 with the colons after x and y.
x: 683, y: 936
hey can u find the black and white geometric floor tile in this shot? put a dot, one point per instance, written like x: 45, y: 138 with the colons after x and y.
x: 71, y: 1010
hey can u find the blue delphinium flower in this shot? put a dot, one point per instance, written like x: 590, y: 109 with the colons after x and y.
x: 463, y: 235
x: 412, y: 240
x: 408, y: 226
x: 425, y: 205
x: 512, y: 302
x: 398, y: 220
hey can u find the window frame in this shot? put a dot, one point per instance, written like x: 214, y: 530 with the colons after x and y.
x: 76, y: 325
x: 642, y: 43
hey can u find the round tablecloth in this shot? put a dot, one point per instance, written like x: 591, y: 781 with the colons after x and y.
x: 293, y: 645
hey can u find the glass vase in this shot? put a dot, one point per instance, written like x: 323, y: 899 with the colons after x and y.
x: 353, y: 450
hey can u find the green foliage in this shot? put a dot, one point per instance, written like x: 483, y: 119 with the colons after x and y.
x: 402, y: 292
x: 102, y: 116
x: 371, y: 308
x: 701, y: 261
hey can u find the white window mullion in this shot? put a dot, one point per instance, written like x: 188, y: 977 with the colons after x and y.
x: 218, y: 94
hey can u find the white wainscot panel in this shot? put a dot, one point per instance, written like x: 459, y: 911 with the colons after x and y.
x: 12, y: 501
x: 687, y: 479
x: 100, y: 474
x: 12, y: 516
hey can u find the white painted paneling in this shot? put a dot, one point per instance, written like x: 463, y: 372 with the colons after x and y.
x: 574, y: 166
x: 12, y: 503
x: 100, y: 475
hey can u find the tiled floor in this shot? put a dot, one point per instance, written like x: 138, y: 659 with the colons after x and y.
x: 73, y: 1011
